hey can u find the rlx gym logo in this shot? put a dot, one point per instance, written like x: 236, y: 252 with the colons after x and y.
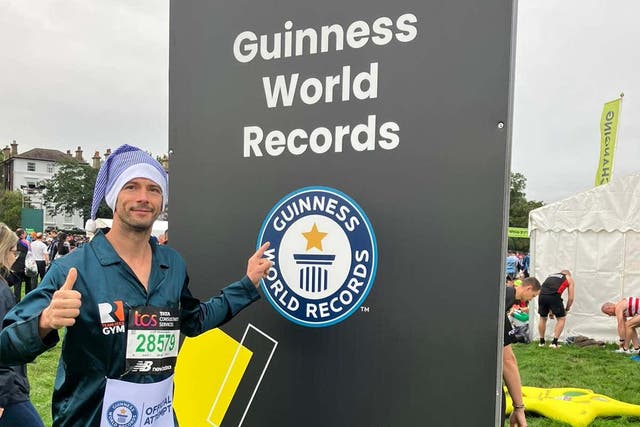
x: 111, y: 317
x: 324, y: 253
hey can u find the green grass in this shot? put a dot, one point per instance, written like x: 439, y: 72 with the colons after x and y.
x: 599, y: 369
x: 41, y: 375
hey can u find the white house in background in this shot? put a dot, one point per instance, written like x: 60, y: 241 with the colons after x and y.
x: 23, y: 171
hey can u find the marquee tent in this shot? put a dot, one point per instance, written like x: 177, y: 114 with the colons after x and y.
x: 595, y: 235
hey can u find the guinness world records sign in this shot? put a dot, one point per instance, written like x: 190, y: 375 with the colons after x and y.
x: 398, y: 112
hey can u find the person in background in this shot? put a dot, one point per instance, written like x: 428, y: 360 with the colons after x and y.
x: 528, y: 290
x: 525, y: 264
x: 39, y: 249
x: 53, y: 245
x: 550, y: 301
x: 511, y: 265
x: 18, y: 276
x: 163, y: 239
x: 63, y: 247
x: 627, y: 312
x: 16, y: 410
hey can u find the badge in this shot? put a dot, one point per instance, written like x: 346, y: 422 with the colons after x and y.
x: 153, y: 339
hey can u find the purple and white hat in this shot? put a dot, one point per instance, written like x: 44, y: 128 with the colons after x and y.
x: 123, y: 165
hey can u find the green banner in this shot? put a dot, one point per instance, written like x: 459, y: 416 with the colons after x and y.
x: 32, y: 219
x: 520, y: 233
x: 608, y: 132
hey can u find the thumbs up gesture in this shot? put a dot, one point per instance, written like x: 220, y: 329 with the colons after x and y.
x: 63, y: 308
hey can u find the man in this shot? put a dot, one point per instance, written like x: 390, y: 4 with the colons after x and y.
x: 550, y: 301
x: 53, y: 246
x: 528, y: 290
x: 124, y: 301
x: 39, y: 249
x: 627, y: 312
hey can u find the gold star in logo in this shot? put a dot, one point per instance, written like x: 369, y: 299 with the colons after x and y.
x: 314, y: 237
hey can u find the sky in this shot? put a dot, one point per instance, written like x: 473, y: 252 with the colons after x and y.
x: 88, y: 73
x: 94, y: 74
x: 572, y: 56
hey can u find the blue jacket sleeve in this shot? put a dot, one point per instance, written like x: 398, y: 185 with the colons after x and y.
x: 198, y: 317
x: 20, y: 341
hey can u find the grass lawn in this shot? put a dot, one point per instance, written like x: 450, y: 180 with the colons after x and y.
x: 598, y: 369
x: 41, y: 376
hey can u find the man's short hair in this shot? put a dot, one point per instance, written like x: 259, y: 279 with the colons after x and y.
x: 605, y: 305
x: 533, y: 282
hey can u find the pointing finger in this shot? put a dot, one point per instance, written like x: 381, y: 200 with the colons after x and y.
x: 71, y: 279
x: 260, y: 252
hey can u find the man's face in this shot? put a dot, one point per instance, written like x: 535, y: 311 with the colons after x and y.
x: 609, y: 309
x: 529, y: 293
x: 138, y: 204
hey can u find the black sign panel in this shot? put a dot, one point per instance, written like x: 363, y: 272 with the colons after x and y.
x: 368, y: 142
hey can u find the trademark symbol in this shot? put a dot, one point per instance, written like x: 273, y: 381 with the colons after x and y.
x: 365, y: 309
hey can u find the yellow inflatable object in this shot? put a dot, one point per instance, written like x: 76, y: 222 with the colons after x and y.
x: 577, y: 407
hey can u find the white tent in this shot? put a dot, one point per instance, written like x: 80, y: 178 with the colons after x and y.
x: 595, y: 235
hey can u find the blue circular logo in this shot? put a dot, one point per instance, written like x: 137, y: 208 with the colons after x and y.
x: 122, y: 414
x: 324, y: 253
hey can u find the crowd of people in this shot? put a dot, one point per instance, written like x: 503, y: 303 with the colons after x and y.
x: 36, y: 251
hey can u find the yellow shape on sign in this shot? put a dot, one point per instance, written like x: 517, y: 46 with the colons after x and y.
x: 208, y: 371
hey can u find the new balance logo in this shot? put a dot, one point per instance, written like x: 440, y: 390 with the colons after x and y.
x: 142, y: 366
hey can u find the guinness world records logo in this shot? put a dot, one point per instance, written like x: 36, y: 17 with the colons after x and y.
x: 325, y: 256
x: 122, y: 414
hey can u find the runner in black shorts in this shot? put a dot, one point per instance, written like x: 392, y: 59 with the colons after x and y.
x: 550, y: 300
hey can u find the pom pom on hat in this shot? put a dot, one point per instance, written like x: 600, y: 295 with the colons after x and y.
x: 123, y: 165
x: 90, y: 226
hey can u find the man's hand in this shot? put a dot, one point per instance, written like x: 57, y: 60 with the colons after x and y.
x: 1, y: 412
x: 257, y: 266
x: 63, y: 308
x: 517, y: 418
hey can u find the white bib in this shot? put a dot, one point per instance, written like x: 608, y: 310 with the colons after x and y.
x: 128, y: 404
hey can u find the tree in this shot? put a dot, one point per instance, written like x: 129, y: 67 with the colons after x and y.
x: 71, y: 190
x: 519, y: 208
x: 11, y: 208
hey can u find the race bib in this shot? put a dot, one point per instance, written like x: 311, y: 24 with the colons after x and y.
x: 128, y: 404
x: 153, y: 338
